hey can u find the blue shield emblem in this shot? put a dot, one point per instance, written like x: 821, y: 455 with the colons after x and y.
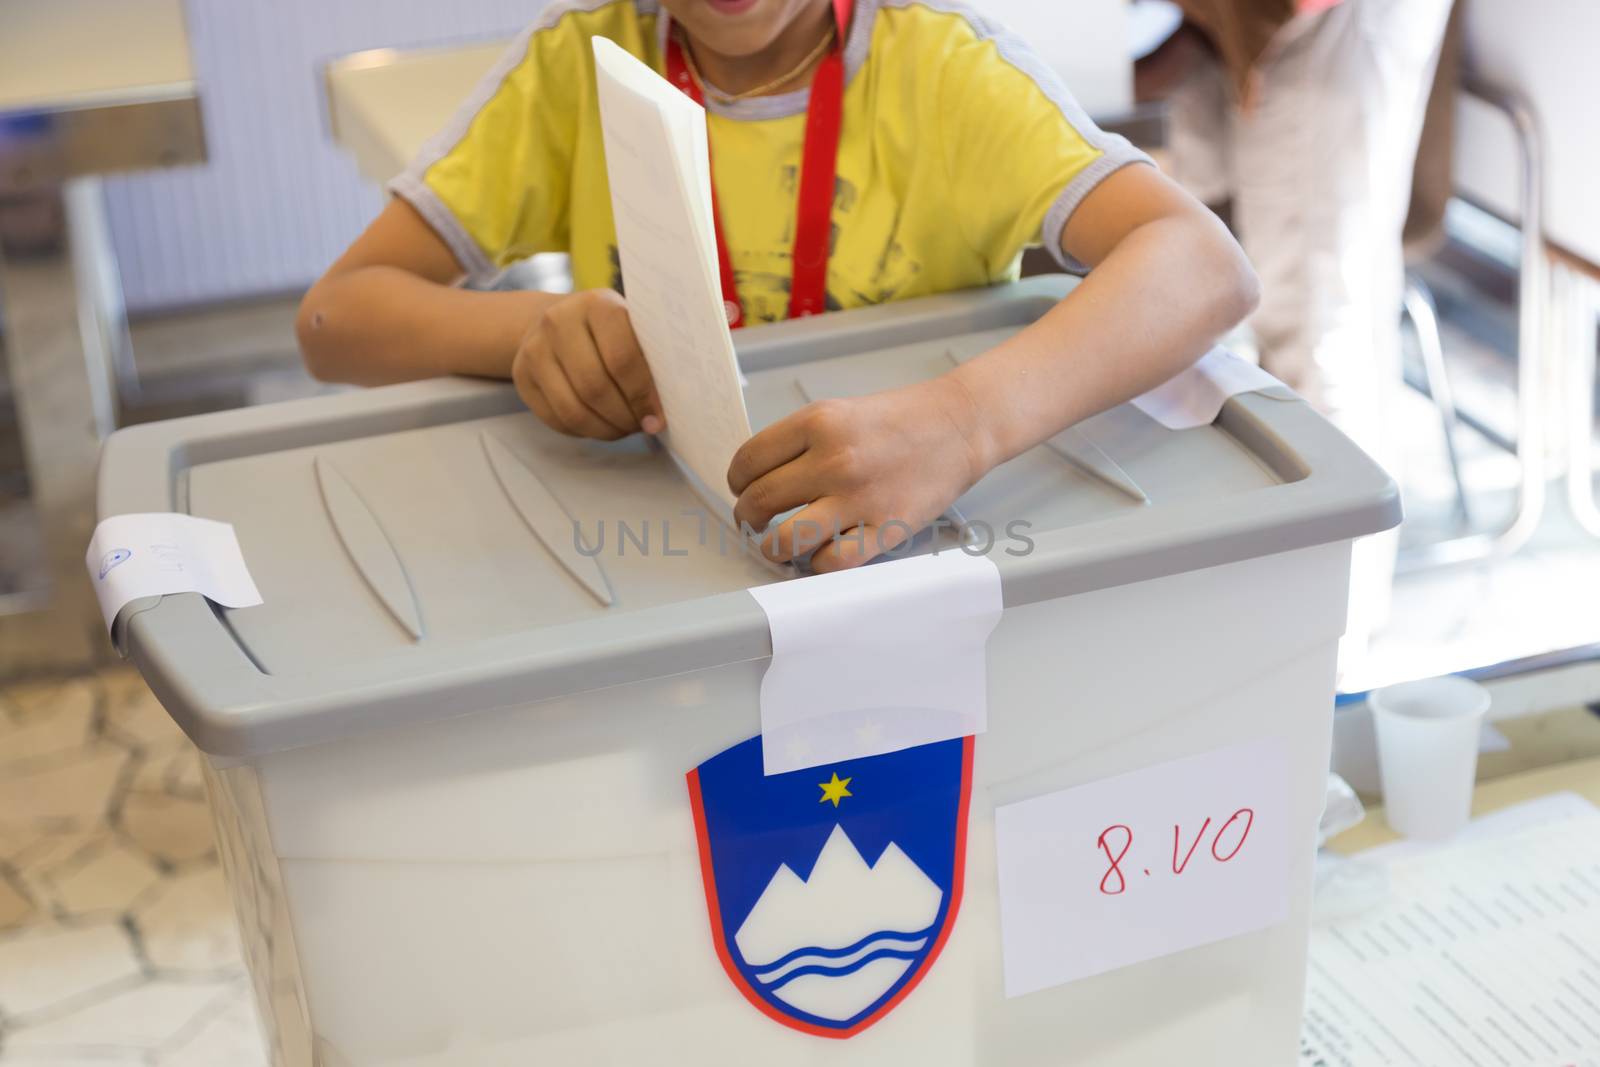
x: 832, y: 890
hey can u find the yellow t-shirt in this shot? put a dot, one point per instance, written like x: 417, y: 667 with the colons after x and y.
x: 958, y: 149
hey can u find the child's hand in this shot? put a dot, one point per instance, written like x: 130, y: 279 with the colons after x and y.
x: 875, y: 469
x: 580, y: 369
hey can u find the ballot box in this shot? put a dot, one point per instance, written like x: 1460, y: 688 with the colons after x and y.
x: 475, y: 760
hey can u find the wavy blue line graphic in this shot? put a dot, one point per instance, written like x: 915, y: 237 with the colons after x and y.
x: 835, y: 972
x: 770, y: 978
x: 831, y: 952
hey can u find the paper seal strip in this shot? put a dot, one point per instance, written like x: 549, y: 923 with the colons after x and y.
x: 145, y: 555
x: 877, y: 659
x: 1195, y: 397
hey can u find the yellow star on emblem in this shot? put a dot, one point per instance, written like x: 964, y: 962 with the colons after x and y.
x: 835, y: 790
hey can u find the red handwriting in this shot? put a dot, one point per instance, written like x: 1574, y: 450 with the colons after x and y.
x: 1177, y: 868
x: 1249, y: 821
x: 1127, y: 843
x: 1113, y: 882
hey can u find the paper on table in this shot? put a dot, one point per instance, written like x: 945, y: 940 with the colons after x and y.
x: 1143, y: 865
x: 1483, y: 953
x: 1531, y: 814
x: 1194, y: 397
x: 877, y: 659
x: 658, y: 165
x: 133, y: 556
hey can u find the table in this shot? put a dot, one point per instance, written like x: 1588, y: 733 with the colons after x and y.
x: 1580, y: 776
x: 384, y: 104
x: 87, y: 87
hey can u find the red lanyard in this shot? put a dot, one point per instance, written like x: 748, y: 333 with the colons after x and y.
x: 818, y: 167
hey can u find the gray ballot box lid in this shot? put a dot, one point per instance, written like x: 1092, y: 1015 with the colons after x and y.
x: 432, y: 550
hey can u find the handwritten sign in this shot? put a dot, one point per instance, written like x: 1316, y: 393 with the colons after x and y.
x: 1143, y: 865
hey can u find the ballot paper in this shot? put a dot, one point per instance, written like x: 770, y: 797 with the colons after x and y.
x: 142, y: 555
x: 1485, y: 953
x: 658, y: 164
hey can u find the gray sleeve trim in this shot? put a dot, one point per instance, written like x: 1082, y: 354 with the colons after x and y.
x: 1116, y: 151
x: 1117, y: 154
x: 439, y: 145
x: 411, y: 185
x: 413, y: 190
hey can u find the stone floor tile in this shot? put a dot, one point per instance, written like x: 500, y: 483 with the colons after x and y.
x: 45, y: 967
x: 53, y: 850
x: 16, y: 838
x: 133, y: 713
x: 232, y: 1036
x: 188, y: 924
x: 183, y: 774
x: 16, y: 907
x: 29, y: 702
x: 50, y: 733
x: 143, y: 1017
x: 166, y: 769
x: 170, y: 829
x: 112, y: 878
x: 91, y: 1058
x: 76, y: 792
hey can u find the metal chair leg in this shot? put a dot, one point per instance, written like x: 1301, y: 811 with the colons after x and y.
x: 1581, y: 307
x: 1420, y: 309
x: 1532, y: 310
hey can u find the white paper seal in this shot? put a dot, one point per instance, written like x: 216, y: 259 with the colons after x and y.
x: 877, y: 659
x: 142, y: 555
x: 1194, y: 397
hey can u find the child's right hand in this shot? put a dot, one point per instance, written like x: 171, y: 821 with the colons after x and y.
x: 580, y: 369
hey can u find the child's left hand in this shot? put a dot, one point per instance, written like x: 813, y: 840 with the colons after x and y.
x: 875, y: 469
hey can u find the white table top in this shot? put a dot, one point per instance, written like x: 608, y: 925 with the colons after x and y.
x: 1581, y: 777
x: 61, y: 54
x: 386, y: 104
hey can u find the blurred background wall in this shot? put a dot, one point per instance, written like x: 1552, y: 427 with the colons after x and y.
x: 278, y: 201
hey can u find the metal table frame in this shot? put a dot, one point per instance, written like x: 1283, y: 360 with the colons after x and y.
x: 66, y: 336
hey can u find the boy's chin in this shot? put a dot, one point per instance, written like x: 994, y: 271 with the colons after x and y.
x: 731, y: 27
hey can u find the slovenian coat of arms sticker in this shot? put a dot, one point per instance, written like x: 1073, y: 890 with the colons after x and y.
x: 832, y: 890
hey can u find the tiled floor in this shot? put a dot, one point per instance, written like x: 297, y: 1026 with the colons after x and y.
x: 117, y: 938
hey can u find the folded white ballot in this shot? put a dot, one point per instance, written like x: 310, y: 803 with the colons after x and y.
x: 659, y: 167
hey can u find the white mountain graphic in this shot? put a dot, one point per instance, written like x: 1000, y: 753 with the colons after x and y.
x: 842, y: 903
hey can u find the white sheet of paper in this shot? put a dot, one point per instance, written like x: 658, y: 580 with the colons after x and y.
x: 877, y: 659
x: 1194, y: 397
x: 133, y: 556
x: 1487, y: 952
x: 1518, y: 818
x: 658, y: 165
x: 1202, y: 853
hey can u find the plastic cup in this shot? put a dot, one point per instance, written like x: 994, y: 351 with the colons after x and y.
x: 1428, y: 753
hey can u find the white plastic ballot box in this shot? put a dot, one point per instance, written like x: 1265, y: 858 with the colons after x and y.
x: 450, y: 753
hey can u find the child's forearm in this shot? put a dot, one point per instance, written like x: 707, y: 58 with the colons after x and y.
x: 1158, y: 302
x: 378, y: 324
